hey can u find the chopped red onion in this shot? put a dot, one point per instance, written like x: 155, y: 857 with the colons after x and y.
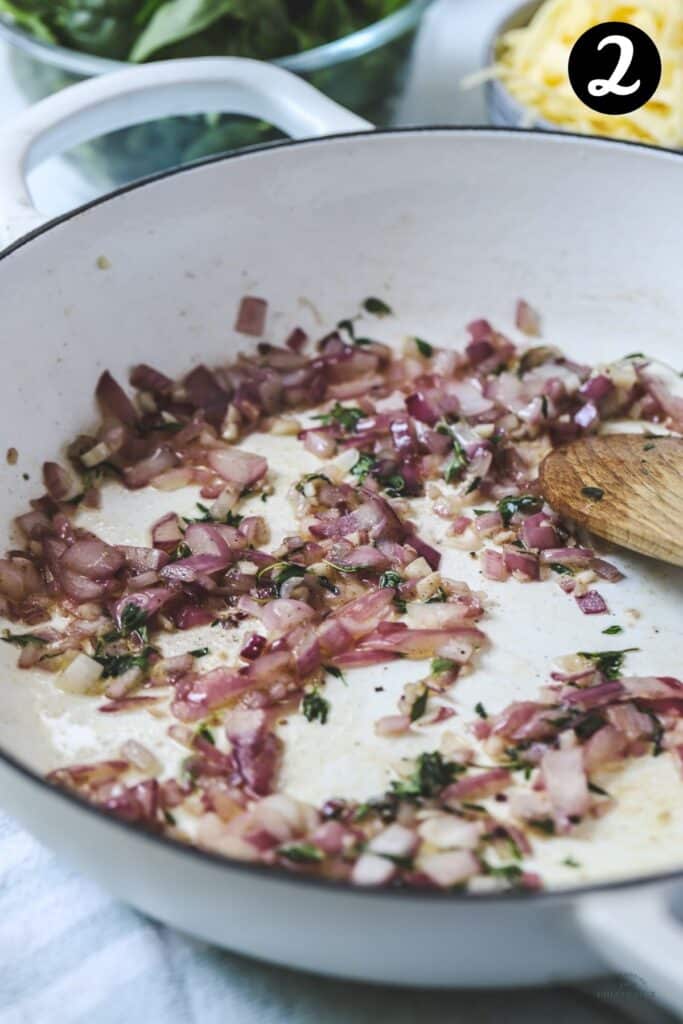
x: 392, y: 725
x: 591, y: 603
x: 539, y: 532
x: 58, y: 483
x: 493, y: 565
x: 114, y: 400
x: 565, y: 781
x: 251, y: 316
x: 525, y: 563
x: 238, y: 467
x: 144, y: 471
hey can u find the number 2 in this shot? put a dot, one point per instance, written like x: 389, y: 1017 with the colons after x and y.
x: 603, y: 86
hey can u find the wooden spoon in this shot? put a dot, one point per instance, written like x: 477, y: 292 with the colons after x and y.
x: 625, y: 487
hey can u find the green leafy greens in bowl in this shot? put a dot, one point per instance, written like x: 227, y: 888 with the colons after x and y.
x: 164, y: 29
x: 354, y: 51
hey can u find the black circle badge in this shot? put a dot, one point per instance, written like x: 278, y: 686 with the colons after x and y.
x: 614, y: 68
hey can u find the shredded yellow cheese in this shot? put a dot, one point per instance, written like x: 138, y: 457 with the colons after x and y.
x: 532, y: 64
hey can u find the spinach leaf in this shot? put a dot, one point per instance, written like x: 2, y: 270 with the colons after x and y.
x: 139, y: 30
x: 242, y: 27
x: 31, y: 17
x: 104, y: 27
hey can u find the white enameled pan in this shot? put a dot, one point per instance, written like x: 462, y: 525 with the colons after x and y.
x: 450, y: 224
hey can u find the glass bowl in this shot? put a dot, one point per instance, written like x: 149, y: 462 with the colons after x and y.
x: 363, y: 71
x: 504, y: 109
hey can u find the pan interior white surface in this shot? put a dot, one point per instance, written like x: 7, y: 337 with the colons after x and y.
x: 444, y: 237
x: 445, y: 234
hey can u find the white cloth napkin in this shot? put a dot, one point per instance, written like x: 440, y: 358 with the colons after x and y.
x: 69, y: 954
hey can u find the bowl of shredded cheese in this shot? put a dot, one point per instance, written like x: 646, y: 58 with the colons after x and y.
x: 528, y: 84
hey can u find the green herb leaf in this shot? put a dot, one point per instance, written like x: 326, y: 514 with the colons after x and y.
x: 116, y: 664
x: 363, y: 466
x: 570, y: 862
x: 134, y: 620
x: 182, y: 550
x: 613, y: 630
x: 526, y: 504
x: 280, y: 572
x: 481, y: 710
x: 347, y: 417
x: 302, y: 853
x: 231, y: 518
x: 597, y: 789
x: 205, y: 516
x: 457, y: 463
x: 419, y: 705
x: 199, y: 652
x: 347, y: 325
x: 314, y: 706
x: 512, y: 873
x: 594, y: 493
x: 440, y: 665
x: 562, y: 569
x: 206, y: 734
x: 608, y: 662
x: 377, y: 307
x: 424, y: 348
x: 431, y: 775
x: 332, y: 670
x: 394, y: 485
x: 21, y: 639
x: 390, y: 579
x: 546, y: 825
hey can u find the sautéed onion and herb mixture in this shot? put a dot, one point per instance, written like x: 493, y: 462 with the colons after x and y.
x: 461, y: 433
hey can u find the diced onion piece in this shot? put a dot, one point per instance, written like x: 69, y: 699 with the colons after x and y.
x: 451, y: 868
x: 394, y: 841
x: 251, y: 316
x: 370, y: 870
x: 80, y: 675
x: 140, y: 757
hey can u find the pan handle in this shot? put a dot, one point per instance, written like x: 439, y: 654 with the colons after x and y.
x: 640, y: 936
x: 109, y: 102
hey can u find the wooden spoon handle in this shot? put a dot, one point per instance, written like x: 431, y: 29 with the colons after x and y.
x: 627, y: 488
